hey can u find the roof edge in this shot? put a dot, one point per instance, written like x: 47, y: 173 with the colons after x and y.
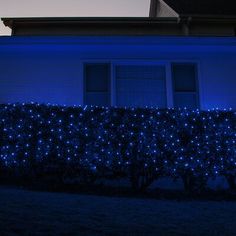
x: 9, y: 21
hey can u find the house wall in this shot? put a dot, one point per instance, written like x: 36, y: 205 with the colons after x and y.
x: 211, y: 29
x: 163, y: 10
x: 50, y: 70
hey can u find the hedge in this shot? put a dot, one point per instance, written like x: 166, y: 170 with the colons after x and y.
x: 140, y: 144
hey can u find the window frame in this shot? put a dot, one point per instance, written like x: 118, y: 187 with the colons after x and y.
x: 196, y: 69
x: 141, y: 63
x: 85, y: 81
x: 168, y: 69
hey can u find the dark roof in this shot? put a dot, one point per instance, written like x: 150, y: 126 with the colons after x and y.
x: 203, y: 7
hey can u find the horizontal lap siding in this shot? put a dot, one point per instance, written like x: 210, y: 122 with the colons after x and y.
x: 53, y: 73
x: 141, y: 85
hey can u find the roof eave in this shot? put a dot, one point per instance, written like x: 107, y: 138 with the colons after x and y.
x: 86, y: 20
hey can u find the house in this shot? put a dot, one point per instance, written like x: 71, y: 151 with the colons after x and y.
x: 182, y: 55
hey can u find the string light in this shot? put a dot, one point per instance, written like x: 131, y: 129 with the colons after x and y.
x: 169, y: 142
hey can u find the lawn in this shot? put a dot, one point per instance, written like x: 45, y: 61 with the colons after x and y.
x: 24, y: 212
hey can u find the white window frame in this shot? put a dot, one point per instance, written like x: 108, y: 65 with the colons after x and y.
x: 168, y: 68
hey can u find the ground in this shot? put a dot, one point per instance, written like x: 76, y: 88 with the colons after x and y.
x: 24, y: 212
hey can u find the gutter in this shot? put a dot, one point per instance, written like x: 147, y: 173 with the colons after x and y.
x: 10, y: 22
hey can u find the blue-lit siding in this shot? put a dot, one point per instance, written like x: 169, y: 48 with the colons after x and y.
x: 50, y: 70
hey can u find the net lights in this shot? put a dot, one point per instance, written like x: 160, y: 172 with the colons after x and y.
x: 168, y: 142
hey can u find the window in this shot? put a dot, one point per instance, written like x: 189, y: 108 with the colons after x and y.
x: 97, y: 84
x: 140, y: 85
x: 184, y: 77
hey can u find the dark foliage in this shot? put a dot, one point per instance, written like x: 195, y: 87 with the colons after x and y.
x: 85, y: 144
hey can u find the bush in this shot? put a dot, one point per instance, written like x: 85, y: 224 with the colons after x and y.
x: 90, y: 143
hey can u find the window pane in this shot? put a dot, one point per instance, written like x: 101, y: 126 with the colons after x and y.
x: 140, y: 86
x: 97, y: 84
x: 185, y: 85
x: 188, y: 100
x: 97, y: 77
x: 97, y: 99
x: 184, y: 77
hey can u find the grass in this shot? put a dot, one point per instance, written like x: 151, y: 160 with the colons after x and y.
x: 24, y: 212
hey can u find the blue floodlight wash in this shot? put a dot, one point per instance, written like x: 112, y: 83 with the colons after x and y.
x: 51, y: 69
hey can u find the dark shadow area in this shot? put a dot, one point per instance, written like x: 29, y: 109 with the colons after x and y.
x: 124, y: 191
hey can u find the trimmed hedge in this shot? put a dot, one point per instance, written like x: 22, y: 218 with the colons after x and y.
x: 90, y: 143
